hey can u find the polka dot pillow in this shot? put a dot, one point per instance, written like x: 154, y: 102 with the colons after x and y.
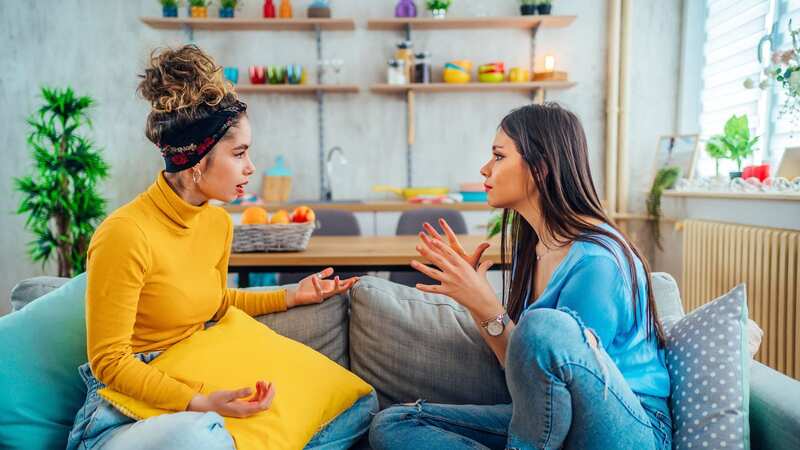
x: 708, y: 362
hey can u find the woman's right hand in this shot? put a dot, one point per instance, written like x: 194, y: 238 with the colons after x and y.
x: 473, y: 260
x: 230, y: 403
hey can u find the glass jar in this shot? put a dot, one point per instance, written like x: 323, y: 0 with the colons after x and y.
x: 396, y: 72
x: 422, y: 67
x: 404, y: 53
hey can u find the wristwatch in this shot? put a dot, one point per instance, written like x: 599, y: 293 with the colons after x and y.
x: 496, y: 325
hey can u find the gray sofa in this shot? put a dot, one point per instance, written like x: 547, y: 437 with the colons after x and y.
x: 411, y: 345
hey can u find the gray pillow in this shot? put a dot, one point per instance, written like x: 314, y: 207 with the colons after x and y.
x: 322, y: 327
x: 32, y: 288
x: 410, y: 345
x: 708, y: 364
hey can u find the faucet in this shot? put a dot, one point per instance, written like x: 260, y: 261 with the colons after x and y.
x: 327, y: 190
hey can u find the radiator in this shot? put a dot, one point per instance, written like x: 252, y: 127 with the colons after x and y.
x: 718, y: 256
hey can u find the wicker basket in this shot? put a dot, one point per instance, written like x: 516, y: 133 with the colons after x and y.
x: 290, y: 237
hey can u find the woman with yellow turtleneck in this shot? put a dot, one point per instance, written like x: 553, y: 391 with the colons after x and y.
x: 157, y: 272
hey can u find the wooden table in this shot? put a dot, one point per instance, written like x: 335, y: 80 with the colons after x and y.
x: 348, y: 254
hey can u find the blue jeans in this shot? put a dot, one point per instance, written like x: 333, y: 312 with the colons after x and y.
x: 99, y: 425
x: 566, y: 393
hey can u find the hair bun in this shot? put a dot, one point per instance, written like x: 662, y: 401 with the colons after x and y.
x: 183, y: 78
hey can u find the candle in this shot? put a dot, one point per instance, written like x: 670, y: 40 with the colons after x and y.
x: 549, y: 63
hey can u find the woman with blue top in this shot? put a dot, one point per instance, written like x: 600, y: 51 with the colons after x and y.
x: 577, y: 330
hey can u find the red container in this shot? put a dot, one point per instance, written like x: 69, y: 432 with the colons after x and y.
x: 761, y: 172
x: 269, y: 9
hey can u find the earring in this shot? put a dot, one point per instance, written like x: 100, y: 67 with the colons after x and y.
x: 196, y: 175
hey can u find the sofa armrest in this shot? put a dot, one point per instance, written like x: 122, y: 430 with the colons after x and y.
x: 774, y: 411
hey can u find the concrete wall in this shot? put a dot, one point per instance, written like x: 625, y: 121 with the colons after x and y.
x: 98, y: 48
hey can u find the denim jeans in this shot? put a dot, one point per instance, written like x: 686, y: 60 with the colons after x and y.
x: 565, y: 391
x: 98, y: 425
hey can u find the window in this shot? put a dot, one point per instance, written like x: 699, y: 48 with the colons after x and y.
x: 734, y: 29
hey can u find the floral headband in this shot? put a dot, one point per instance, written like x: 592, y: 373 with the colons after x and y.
x: 184, y: 147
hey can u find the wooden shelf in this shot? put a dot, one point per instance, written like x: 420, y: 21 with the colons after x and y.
x: 455, y: 23
x: 299, y: 24
x: 469, y: 87
x: 296, y: 88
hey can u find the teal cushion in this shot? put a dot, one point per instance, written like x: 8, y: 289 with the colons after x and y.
x: 41, y: 347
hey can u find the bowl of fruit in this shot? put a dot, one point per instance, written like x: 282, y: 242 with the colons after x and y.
x: 280, y: 231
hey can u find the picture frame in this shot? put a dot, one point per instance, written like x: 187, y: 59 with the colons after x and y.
x: 677, y: 150
x: 789, y: 165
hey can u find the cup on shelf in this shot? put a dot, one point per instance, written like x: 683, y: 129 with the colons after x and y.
x: 232, y: 74
x: 257, y: 74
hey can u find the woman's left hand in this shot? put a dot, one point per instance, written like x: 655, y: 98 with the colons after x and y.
x: 316, y: 289
x: 458, y: 279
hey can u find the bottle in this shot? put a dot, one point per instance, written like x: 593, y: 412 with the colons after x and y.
x: 277, y: 182
x: 269, y: 9
x: 404, y: 53
x: 285, y: 9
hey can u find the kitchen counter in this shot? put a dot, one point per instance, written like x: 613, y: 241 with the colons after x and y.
x: 367, y: 206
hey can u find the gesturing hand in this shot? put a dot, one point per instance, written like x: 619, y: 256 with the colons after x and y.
x: 230, y: 403
x: 472, y: 259
x: 459, y: 279
x: 315, y: 288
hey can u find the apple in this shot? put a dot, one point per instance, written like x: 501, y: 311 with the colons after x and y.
x: 303, y: 214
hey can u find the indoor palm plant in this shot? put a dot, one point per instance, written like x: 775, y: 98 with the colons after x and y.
x: 665, y: 179
x: 60, y: 197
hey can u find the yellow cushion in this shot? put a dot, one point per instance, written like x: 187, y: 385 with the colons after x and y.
x: 311, y: 390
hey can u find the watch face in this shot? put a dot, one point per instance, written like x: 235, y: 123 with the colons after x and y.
x: 494, y: 328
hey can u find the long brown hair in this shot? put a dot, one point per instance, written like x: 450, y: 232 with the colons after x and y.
x: 552, y: 143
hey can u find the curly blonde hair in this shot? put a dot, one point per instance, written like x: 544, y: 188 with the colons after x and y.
x: 182, y: 85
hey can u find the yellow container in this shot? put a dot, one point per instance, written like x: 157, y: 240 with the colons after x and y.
x: 198, y: 11
x: 276, y: 189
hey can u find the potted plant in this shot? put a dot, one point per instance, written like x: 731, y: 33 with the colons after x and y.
x: 734, y: 144
x: 227, y: 7
x: 527, y: 7
x: 544, y: 6
x: 405, y: 8
x: 61, y: 197
x: 664, y: 179
x: 198, y: 8
x: 438, y: 8
x: 169, y: 8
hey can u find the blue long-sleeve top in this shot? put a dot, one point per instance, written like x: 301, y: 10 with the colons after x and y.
x: 595, y: 284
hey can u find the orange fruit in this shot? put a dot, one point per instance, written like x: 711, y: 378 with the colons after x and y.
x: 281, y: 216
x: 255, y: 215
x: 303, y: 214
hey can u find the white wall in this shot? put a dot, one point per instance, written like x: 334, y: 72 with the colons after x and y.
x: 98, y: 48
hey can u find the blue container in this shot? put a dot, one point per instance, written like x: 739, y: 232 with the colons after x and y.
x: 170, y: 11
x: 474, y: 196
x: 231, y: 74
x: 226, y: 12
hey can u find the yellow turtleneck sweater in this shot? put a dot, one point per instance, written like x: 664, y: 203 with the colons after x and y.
x: 156, y: 272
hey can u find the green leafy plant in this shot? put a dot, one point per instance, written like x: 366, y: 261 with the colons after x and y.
x: 495, y: 224
x: 438, y: 4
x: 735, y: 144
x: 60, y: 197
x: 233, y: 4
x: 199, y: 3
x: 664, y: 179
x: 170, y: 3
x: 527, y: 2
x: 543, y: 2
